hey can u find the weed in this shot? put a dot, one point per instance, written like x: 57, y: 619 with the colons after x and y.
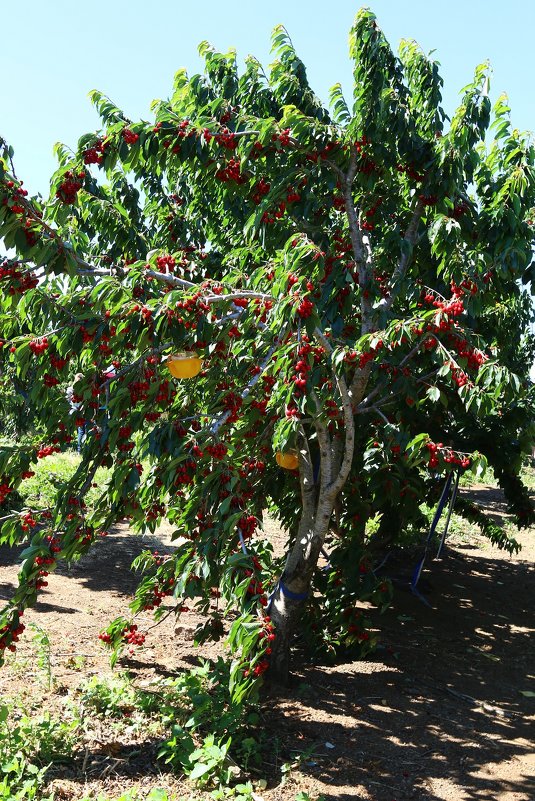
x: 41, y: 643
x: 156, y: 794
x: 111, y: 696
x: 249, y: 753
x: 306, y: 797
x: 209, y: 762
x: 299, y: 758
x: 239, y: 792
x: 27, y: 747
x: 204, y: 724
x: 76, y: 662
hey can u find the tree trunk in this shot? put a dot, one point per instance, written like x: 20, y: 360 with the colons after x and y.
x: 291, y: 593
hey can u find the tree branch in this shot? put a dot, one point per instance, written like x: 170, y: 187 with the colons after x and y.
x: 245, y: 295
x: 359, y: 384
x: 361, y: 248
x: 134, y: 364
x: 411, y: 236
x: 324, y: 444
x: 172, y: 280
x: 222, y: 419
x: 349, y: 423
x: 306, y: 472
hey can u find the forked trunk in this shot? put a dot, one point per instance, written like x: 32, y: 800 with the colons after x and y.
x: 291, y: 593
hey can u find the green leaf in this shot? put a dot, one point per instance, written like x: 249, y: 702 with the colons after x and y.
x: 199, y: 770
x: 433, y: 393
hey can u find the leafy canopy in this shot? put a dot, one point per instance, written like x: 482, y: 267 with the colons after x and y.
x: 350, y: 278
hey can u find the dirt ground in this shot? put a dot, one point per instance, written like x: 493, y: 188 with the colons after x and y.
x: 437, y: 713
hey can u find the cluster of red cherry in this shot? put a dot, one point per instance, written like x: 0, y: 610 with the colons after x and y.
x: 19, y: 281
x: 166, y: 263
x: 248, y: 524
x: 266, y: 636
x: 353, y: 623
x: 411, y: 172
x: 159, y: 593
x: 474, y: 357
x: 38, y: 346
x: 250, y: 466
x: 231, y: 172
x: 16, y: 192
x: 57, y: 362
x: 27, y: 522
x: 9, y: 636
x: 260, y: 190
x: 95, y: 153
x: 366, y: 224
x: 185, y: 473
x: 453, y: 307
x: 276, y: 214
x: 439, y: 451
x: 226, y: 138
x: 70, y: 186
x: 47, y: 450
x: 129, y: 136
x: 130, y: 635
x: 5, y: 489
x: 217, y: 451
x: 139, y: 391
x: 256, y: 588
x: 232, y: 403
x: 305, y: 308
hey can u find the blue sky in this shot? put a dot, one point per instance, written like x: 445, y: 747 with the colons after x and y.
x: 53, y: 52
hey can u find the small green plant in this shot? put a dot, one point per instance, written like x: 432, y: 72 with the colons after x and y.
x: 302, y: 796
x: 41, y: 643
x: 195, y: 710
x: 110, y: 696
x: 156, y: 794
x: 295, y: 763
x: 77, y: 662
x: 208, y: 730
x: 27, y: 747
x: 239, y: 792
x: 249, y: 750
x: 210, y: 762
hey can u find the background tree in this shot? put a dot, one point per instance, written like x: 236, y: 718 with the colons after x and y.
x: 350, y: 279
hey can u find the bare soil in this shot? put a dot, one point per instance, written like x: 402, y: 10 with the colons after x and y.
x: 438, y: 713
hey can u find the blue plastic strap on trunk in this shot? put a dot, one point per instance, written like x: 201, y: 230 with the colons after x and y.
x: 242, y: 542
x: 293, y: 596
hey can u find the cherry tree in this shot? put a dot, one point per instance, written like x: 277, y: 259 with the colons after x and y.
x: 276, y: 307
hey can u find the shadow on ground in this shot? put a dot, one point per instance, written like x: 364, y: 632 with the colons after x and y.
x: 440, y: 712
x: 437, y: 714
x: 105, y: 569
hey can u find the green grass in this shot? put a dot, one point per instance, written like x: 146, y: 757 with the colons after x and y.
x: 40, y: 491
x: 528, y: 476
x: 460, y: 530
x: 489, y: 479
